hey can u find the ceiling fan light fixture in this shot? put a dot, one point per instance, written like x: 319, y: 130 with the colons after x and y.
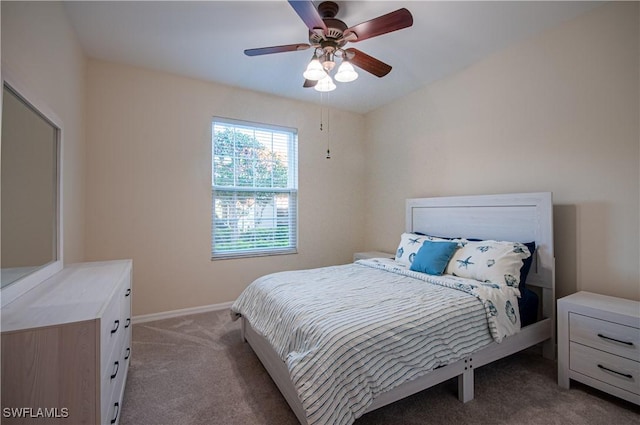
x: 314, y: 70
x: 325, y: 85
x: 328, y: 61
x: 346, y: 73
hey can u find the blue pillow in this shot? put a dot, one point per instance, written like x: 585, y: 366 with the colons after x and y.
x: 433, y: 257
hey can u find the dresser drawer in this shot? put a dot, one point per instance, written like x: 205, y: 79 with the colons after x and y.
x: 608, y: 368
x: 606, y: 336
x: 113, y: 369
x: 113, y: 413
x: 126, y: 296
x: 125, y: 307
x: 111, y: 328
x: 112, y: 388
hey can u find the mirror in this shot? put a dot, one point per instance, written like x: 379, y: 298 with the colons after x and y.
x: 30, y: 183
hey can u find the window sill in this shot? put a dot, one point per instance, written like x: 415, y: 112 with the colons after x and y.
x: 252, y: 254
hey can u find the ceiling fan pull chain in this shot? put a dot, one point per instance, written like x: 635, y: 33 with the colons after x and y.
x: 321, y: 107
x: 322, y: 127
x: 328, y: 129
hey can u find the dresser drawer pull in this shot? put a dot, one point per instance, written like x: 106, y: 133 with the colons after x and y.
x: 630, y: 344
x: 115, y: 417
x: 117, y: 366
x: 117, y: 323
x: 126, y: 357
x: 126, y: 294
x: 127, y: 323
x: 626, y: 375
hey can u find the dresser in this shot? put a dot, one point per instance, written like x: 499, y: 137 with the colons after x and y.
x: 66, y: 347
x: 599, y: 343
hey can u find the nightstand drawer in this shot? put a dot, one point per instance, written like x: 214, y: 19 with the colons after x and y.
x: 605, y: 367
x: 606, y: 336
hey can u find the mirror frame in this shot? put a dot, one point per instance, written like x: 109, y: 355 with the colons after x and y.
x: 30, y: 281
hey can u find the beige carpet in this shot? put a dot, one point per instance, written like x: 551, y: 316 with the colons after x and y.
x: 195, y: 370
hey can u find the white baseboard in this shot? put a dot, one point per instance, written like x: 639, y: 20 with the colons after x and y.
x: 182, y: 312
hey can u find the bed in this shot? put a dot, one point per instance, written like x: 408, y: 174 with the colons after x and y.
x: 342, y: 394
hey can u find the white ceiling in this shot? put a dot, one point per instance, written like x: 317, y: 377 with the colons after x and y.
x: 206, y: 40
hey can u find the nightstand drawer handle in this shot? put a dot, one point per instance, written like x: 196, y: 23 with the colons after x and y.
x: 626, y: 375
x: 616, y: 340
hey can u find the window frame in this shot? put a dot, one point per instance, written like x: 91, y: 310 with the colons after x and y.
x: 291, y: 189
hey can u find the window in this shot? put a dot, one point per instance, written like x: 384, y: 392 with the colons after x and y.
x: 255, y: 189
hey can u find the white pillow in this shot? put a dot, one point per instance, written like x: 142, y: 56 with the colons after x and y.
x: 489, y: 261
x: 410, y: 243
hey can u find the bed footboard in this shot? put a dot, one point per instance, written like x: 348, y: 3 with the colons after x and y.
x: 276, y: 368
x: 462, y: 369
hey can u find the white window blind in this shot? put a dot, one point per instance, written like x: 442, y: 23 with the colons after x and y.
x: 255, y: 189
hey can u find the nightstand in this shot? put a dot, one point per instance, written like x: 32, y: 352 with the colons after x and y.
x: 599, y: 343
x: 372, y: 254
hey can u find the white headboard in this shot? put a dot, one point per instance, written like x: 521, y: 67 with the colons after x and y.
x: 518, y: 217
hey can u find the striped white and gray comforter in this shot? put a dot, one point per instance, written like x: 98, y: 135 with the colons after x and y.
x: 348, y: 333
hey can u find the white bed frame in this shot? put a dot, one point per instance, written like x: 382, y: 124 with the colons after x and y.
x: 522, y: 217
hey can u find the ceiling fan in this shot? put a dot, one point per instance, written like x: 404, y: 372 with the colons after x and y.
x: 328, y: 36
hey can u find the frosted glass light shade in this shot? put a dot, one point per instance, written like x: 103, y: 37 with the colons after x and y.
x: 326, y: 84
x: 314, y: 70
x: 346, y: 73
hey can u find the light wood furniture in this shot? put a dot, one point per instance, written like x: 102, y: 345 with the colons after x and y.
x: 371, y: 254
x: 66, y: 345
x: 599, y: 343
x: 523, y: 217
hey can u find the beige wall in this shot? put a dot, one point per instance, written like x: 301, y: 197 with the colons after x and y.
x: 149, y: 181
x: 556, y: 113
x: 41, y: 53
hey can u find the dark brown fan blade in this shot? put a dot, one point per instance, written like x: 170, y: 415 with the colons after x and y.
x: 368, y: 63
x: 384, y: 24
x: 309, y: 83
x: 276, y: 49
x: 309, y: 14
